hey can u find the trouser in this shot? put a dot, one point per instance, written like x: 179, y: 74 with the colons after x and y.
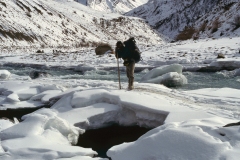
x: 130, y: 73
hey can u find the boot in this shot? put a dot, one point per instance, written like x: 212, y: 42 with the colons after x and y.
x: 130, y: 84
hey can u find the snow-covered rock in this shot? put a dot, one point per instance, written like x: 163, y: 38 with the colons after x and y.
x: 4, y: 74
x: 168, y: 75
x: 171, y: 79
x: 162, y: 70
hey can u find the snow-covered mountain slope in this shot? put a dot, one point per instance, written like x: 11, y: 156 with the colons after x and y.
x: 54, y: 23
x: 203, y: 18
x: 120, y: 6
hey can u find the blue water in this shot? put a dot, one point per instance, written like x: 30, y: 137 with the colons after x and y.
x: 196, y: 80
x: 71, y: 74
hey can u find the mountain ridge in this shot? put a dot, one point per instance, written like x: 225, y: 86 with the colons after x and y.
x: 170, y: 18
x: 66, y: 23
x: 115, y: 6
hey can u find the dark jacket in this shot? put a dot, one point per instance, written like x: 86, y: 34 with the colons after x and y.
x: 123, y: 53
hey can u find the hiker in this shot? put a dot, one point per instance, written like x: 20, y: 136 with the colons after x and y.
x: 127, y: 52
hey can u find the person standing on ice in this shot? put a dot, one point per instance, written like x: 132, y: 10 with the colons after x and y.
x: 128, y: 52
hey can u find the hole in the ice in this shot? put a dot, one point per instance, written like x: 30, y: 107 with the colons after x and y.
x: 18, y: 113
x: 102, y: 139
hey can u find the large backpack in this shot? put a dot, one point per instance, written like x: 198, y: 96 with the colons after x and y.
x: 135, y: 53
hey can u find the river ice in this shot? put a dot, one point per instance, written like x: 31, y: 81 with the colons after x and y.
x: 189, y: 124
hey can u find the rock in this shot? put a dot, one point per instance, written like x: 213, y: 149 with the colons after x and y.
x: 220, y: 55
x: 103, y: 48
x: 39, y: 51
x: 173, y: 79
x: 38, y: 74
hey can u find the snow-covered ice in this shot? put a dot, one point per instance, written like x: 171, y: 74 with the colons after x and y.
x: 184, y: 140
x: 189, y: 124
x: 42, y: 135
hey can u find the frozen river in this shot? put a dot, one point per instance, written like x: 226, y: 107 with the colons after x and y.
x: 196, y: 80
x: 193, y: 115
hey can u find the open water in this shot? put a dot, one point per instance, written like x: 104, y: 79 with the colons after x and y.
x: 196, y: 80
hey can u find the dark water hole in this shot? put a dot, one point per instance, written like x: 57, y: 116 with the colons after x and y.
x: 100, y: 140
x: 18, y: 113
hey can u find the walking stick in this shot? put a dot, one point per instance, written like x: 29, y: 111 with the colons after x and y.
x: 118, y: 72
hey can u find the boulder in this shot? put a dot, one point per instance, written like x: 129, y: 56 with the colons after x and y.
x: 103, y: 48
x: 220, y: 55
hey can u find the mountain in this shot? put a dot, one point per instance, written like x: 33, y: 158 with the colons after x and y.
x: 56, y: 23
x: 184, y: 19
x: 119, y: 6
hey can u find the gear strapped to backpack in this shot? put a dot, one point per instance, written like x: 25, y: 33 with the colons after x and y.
x: 135, y: 53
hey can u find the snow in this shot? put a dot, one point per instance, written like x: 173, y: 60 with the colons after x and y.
x: 120, y: 6
x: 34, y: 24
x: 181, y: 141
x: 187, y: 124
x: 5, y: 124
x: 170, y: 17
x: 20, y: 94
x: 42, y: 134
x: 162, y: 70
x: 170, y: 75
x: 4, y: 74
x: 230, y: 62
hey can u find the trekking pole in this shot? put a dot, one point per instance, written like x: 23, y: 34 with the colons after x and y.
x: 118, y: 73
